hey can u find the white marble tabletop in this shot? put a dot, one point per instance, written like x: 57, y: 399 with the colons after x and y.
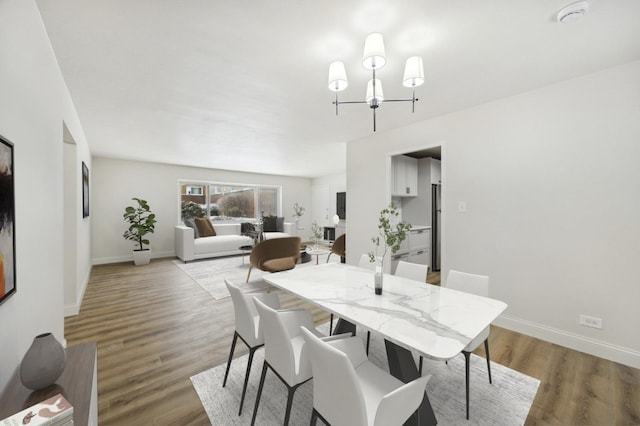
x: 434, y: 321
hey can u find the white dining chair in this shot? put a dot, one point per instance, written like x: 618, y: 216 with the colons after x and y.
x: 284, y: 350
x: 364, y: 262
x: 416, y: 272
x: 479, y: 285
x: 412, y: 271
x: 248, y: 327
x: 350, y: 390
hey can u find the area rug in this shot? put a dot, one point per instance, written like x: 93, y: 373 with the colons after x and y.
x: 505, y: 402
x: 211, y: 273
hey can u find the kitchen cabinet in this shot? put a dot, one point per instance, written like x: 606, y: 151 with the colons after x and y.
x: 404, y: 175
x: 416, y: 248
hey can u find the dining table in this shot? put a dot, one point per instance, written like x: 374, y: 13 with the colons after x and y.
x: 413, y: 317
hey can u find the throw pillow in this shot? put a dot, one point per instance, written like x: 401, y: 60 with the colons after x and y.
x: 269, y: 224
x: 205, y: 228
x: 280, y: 224
x: 246, y: 227
x: 192, y: 224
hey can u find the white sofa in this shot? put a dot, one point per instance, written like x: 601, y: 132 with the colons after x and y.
x: 227, y: 241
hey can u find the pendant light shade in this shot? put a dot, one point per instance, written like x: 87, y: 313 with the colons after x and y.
x: 337, y: 77
x: 413, y: 72
x: 373, y: 59
x: 379, y: 93
x: 373, y: 56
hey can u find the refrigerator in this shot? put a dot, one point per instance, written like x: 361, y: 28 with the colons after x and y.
x: 436, y: 210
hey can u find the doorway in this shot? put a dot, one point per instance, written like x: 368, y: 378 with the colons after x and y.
x: 422, y: 208
x: 71, y: 211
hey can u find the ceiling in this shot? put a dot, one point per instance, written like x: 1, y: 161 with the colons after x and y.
x: 242, y: 85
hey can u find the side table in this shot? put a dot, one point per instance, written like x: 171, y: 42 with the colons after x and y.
x: 78, y: 384
x: 317, y: 253
x: 244, y: 250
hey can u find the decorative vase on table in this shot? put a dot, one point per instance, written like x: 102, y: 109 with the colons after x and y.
x: 43, y: 363
x: 378, y: 275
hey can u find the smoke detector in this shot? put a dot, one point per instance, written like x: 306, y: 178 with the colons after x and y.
x: 573, y: 12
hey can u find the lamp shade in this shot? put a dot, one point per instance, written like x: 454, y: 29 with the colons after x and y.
x: 373, y: 56
x: 413, y: 72
x: 337, y: 77
x: 336, y: 219
x: 379, y: 93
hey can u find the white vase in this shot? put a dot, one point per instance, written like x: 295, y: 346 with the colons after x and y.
x: 141, y: 257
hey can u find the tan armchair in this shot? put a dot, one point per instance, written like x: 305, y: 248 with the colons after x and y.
x: 339, y: 246
x: 275, y: 255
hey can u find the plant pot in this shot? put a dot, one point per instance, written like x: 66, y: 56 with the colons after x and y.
x: 43, y: 363
x: 141, y: 257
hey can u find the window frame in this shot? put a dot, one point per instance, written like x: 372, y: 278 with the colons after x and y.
x: 207, y: 195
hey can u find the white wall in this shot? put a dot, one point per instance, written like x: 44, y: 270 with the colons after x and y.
x: 35, y: 103
x: 115, y: 182
x: 551, y: 182
x: 323, y: 206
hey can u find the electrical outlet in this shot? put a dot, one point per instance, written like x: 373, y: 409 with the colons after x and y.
x: 590, y: 321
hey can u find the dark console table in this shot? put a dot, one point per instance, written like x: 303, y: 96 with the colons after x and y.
x: 78, y: 384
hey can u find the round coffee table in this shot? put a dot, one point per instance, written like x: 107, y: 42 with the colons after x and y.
x: 317, y: 252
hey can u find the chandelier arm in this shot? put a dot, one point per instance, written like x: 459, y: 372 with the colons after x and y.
x: 351, y: 102
x: 413, y: 97
x: 374, y: 119
x: 400, y: 100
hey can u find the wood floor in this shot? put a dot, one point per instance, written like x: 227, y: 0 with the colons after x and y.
x: 155, y: 328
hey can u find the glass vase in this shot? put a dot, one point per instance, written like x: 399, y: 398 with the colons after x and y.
x: 378, y: 275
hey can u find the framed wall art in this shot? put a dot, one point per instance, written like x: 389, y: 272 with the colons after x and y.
x: 85, y: 190
x: 7, y: 222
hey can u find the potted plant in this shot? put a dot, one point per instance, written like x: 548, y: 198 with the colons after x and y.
x: 316, y: 234
x: 141, y: 222
x: 389, y: 237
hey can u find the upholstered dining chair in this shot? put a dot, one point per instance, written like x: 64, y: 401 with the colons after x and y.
x: 412, y: 271
x: 338, y: 247
x: 479, y: 285
x: 248, y: 327
x: 284, y: 350
x: 364, y: 262
x: 275, y: 255
x: 350, y: 390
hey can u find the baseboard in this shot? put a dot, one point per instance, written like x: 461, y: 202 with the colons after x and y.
x: 584, y: 344
x: 71, y: 310
x: 129, y: 258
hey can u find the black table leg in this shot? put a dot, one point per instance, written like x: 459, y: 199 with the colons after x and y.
x: 403, y: 367
x: 343, y: 326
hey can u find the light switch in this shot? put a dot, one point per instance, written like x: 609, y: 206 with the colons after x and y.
x: 462, y: 206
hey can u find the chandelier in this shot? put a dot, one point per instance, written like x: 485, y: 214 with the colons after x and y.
x: 373, y: 59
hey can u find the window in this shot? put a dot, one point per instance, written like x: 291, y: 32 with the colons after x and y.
x: 194, y: 190
x: 222, y: 201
